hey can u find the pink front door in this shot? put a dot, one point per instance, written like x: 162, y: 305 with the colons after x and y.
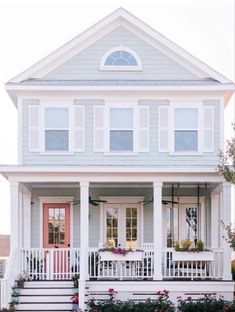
x: 56, y: 236
x: 56, y: 225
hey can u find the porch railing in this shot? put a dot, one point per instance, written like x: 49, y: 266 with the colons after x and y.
x: 51, y: 263
x: 9, y: 279
x: 192, y: 269
x: 64, y: 263
x: 120, y: 269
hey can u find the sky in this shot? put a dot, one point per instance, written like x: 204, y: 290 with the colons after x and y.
x: 30, y: 30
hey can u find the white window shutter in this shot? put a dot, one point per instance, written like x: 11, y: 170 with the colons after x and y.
x: 143, y: 129
x: 34, y: 128
x: 163, y: 129
x: 208, y: 129
x: 99, y: 129
x: 79, y: 131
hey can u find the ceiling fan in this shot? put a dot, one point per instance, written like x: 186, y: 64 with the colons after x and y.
x: 92, y: 201
x: 164, y: 202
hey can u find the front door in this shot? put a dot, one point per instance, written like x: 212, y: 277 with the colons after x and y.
x: 56, y: 225
x: 56, y: 236
x: 122, y: 225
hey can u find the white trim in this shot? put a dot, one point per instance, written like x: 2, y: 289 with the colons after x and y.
x: 25, y: 87
x: 104, y: 169
x: 98, y: 128
x: 52, y: 200
x: 118, y: 17
x: 120, y: 202
x: 77, y: 128
x: 20, y: 122
x: 120, y: 104
x: 56, y: 104
x: 221, y: 120
x: 185, y: 104
x: 137, y: 67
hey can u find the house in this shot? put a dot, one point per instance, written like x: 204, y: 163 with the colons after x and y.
x: 119, y: 131
x: 4, y: 252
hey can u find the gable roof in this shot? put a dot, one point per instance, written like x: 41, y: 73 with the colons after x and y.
x: 4, y: 246
x: 115, y: 19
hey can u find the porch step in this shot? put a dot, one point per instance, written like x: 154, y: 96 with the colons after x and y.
x: 46, y: 296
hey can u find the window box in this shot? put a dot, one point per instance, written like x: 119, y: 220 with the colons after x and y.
x: 192, y: 256
x: 130, y: 256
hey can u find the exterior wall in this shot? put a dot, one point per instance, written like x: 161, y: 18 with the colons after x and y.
x: 85, y: 65
x: 152, y: 158
x: 94, y: 212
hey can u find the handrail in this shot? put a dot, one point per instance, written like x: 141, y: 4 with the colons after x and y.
x: 12, y: 270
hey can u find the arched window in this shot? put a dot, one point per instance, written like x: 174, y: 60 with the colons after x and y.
x: 120, y: 58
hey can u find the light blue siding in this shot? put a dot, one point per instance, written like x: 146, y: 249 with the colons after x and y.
x: 85, y: 65
x: 152, y: 158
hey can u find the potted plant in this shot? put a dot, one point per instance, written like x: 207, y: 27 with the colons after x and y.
x: 12, y: 304
x: 22, y: 278
x: 185, y: 252
x: 75, y: 302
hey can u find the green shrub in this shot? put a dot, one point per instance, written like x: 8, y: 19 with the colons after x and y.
x: 186, y: 244
x: 200, y: 245
x: 205, y: 304
x: 162, y: 303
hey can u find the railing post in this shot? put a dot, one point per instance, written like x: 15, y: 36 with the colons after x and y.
x: 226, y: 218
x: 84, y: 241
x: 157, y: 229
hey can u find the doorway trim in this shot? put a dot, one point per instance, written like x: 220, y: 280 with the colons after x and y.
x: 55, y: 200
x: 121, y: 200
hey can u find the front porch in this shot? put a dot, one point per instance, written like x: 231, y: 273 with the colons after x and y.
x: 60, y: 227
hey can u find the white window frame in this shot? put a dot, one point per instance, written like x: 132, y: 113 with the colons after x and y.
x: 173, y: 106
x: 56, y: 104
x: 134, y: 107
x: 122, y: 202
x: 137, y: 67
x: 191, y: 202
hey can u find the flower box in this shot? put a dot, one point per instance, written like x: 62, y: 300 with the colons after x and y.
x: 193, y: 256
x: 130, y: 256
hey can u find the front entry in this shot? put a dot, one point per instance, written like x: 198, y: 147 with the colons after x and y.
x: 122, y: 225
x: 56, y: 238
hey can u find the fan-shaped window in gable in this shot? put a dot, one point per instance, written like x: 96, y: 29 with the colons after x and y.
x: 121, y: 59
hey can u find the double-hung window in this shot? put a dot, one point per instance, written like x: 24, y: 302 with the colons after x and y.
x: 186, y: 129
x: 121, y: 130
x: 56, y: 129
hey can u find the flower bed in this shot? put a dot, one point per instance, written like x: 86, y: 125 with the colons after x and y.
x: 162, y: 303
x: 207, y: 304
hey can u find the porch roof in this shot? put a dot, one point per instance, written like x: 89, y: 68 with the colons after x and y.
x: 109, y: 174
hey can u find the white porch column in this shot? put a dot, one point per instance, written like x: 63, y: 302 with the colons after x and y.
x: 14, y: 191
x: 215, y: 218
x: 226, y: 218
x: 84, y: 240
x: 26, y: 219
x: 157, y: 229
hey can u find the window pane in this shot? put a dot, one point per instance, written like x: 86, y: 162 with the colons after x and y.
x: 56, y: 140
x: 56, y: 117
x: 121, y: 62
x: 186, y: 118
x: 186, y: 141
x: 121, y: 140
x: 121, y: 58
x: 172, y: 226
x: 192, y: 223
x: 121, y: 118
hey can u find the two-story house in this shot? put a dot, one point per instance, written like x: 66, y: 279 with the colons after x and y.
x: 119, y: 131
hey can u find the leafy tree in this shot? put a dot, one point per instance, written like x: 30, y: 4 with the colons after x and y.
x: 226, y: 166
